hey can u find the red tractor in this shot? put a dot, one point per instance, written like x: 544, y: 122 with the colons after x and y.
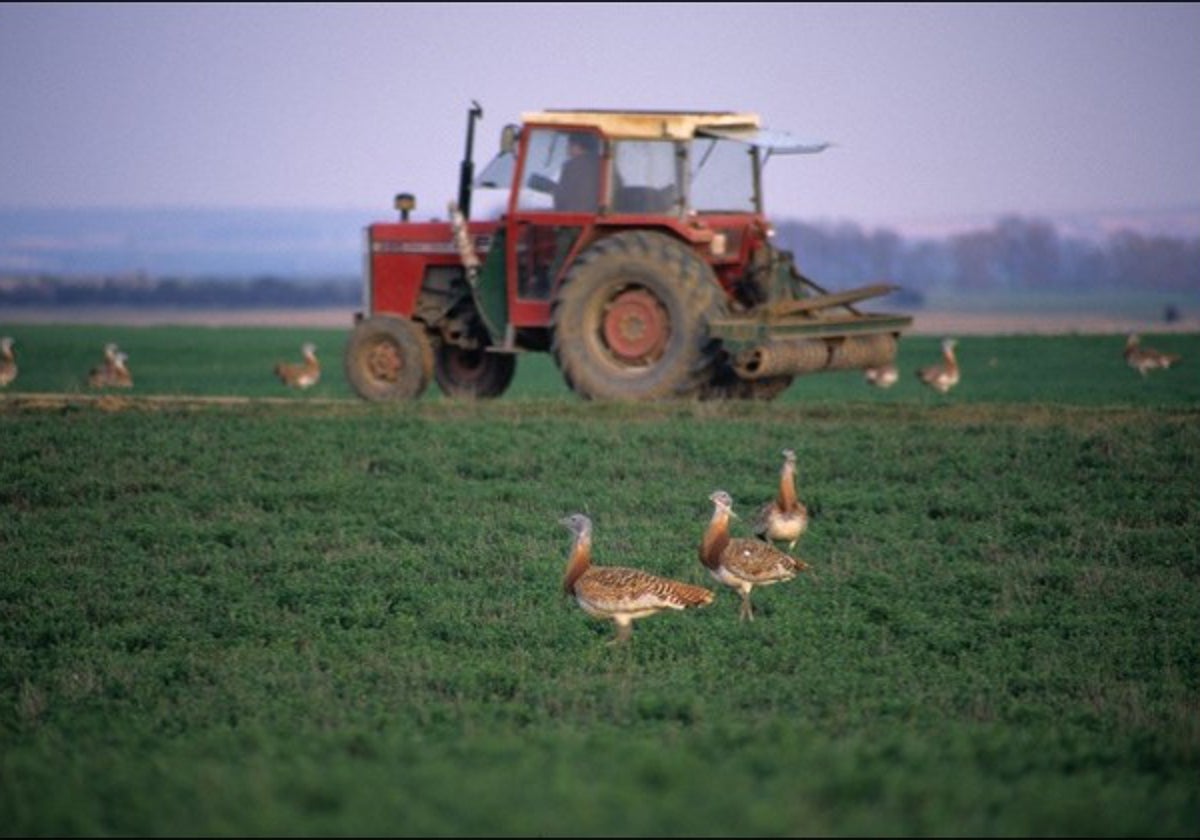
x: 632, y: 246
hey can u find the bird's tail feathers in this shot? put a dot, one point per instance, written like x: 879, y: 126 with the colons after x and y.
x: 692, y: 596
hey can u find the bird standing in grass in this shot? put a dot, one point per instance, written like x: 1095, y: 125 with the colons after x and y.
x: 120, y: 375
x: 619, y: 593
x: 883, y: 376
x: 113, y: 372
x: 943, y: 376
x: 8, y: 362
x: 1143, y: 359
x: 784, y: 518
x: 303, y: 375
x: 742, y: 564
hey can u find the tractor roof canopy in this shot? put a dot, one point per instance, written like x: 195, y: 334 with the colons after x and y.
x: 643, y: 125
x: 679, y: 125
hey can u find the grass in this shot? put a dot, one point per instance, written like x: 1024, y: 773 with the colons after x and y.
x: 337, y: 618
x: 1084, y: 370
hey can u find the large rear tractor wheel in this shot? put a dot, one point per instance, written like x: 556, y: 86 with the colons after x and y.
x: 474, y: 374
x: 388, y: 358
x: 631, y: 319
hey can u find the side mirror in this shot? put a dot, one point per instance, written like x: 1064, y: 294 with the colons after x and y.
x: 508, y: 138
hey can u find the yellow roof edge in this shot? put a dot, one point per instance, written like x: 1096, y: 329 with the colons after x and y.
x: 675, y: 125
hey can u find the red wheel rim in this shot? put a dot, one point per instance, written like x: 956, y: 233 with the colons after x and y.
x: 636, y: 326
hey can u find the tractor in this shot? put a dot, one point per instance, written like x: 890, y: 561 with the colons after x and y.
x: 631, y: 245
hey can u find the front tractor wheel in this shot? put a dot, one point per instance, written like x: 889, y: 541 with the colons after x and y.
x: 631, y: 320
x: 388, y: 358
x: 475, y: 374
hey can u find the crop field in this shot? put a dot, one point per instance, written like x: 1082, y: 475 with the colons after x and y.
x: 297, y: 613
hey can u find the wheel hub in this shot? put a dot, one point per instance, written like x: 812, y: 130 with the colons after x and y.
x: 636, y: 326
x: 385, y: 361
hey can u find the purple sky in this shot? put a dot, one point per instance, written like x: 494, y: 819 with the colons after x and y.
x: 938, y: 111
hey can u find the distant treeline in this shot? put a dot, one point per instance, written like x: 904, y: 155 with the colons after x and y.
x: 1015, y: 254
x: 257, y: 292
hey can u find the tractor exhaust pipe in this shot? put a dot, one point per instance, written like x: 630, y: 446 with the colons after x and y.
x: 467, y: 172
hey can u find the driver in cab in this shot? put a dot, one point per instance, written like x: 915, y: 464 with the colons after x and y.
x: 578, y: 188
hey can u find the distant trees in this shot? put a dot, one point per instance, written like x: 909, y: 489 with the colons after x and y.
x: 1015, y: 254
x: 257, y: 292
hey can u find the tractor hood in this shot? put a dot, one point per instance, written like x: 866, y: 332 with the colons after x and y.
x: 775, y: 142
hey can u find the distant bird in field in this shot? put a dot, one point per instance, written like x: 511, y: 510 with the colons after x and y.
x: 883, y: 376
x: 113, y: 372
x: 943, y: 376
x: 742, y: 564
x: 302, y: 375
x: 99, y: 376
x: 784, y: 518
x: 121, y: 377
x: 1143, y: 359
x: 8, y: 362
x: 619, y: 593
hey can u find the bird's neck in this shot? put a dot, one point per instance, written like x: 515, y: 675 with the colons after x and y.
x: 716, y: 537
x: 787, y: 486
x: 578, y: 562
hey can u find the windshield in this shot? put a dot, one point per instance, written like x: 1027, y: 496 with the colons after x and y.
x: 722, y: 176
x: 492, y: 186
x: 647, y: 176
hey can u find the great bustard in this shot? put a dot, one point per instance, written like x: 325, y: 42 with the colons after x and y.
x: 8, y: 362
x: 303, y: 375
x: 618, y: 593
x: 944, y: 375
x: 882, y: 376
x: 742, y: 564
x: 784, y: 518
x: 1144, y: 359
x: 113, y: 371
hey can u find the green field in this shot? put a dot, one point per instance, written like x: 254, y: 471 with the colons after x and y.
x: 314, y: 615
x: 237, y: 361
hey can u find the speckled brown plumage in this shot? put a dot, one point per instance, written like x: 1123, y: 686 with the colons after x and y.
x: 619, y: 593
x: 784, y: 518
x: 945, y: 375
x: 742, y: 564
x: 1143, y: 359
x: 303, y: 375
x: 8, y: 361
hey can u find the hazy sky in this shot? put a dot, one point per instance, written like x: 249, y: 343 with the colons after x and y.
x: 937, y: 111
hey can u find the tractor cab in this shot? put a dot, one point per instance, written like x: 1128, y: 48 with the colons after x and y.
x: 568, y: 177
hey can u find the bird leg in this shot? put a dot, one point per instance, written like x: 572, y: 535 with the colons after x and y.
x: 747, y: 611
x: 624, y: 630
